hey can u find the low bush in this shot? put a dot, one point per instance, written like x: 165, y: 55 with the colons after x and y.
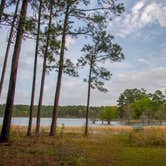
x: 148, y: 136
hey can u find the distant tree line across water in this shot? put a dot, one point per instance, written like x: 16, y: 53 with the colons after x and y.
x: 132, y: 104
x: 63, y: 111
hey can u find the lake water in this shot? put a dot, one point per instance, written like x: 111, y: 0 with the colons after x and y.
x: 23, y: 121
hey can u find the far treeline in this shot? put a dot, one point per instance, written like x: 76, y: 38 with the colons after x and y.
x: 63, y: 111
x: 133, y: 104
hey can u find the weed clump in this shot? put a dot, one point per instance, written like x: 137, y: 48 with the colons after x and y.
x: 148, y: 136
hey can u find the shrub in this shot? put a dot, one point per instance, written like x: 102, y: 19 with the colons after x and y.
x: 148, y: 136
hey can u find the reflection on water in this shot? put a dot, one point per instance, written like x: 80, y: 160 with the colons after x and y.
x: 23, y: 121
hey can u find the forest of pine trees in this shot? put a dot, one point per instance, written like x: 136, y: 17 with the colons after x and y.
x: 49, y: 23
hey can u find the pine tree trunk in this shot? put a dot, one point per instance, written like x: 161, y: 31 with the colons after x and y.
x: 88, y: 99
x: 29, y: 131
x: 13, y: 75
x: 43, y: 75
x: 8, y: 47
x: 2, y: 6
x: 59, y: 79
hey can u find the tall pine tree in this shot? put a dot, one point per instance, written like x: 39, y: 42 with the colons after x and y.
x: 13, y: 75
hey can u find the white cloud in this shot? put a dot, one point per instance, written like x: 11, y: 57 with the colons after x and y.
x: 141, y: 14
x: 151, y: 80
x: 139, y: 5
x: 144, y: 61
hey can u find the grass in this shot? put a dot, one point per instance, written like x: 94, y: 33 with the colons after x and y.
x: 103, y: 147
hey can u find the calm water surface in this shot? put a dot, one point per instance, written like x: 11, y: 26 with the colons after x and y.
x: 23, y: 121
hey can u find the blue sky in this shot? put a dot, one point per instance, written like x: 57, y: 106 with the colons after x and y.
x: 141, y: 31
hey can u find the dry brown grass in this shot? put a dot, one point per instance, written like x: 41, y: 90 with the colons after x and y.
x: 159, y: 128
x: 100, y: 129
x: 75, y: 129
x: 73, y: 149
x: 155, y: 135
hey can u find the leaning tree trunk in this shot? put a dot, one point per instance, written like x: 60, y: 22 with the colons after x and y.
x: 43, y: 75
x: 59, y: 79
x: 8, y: 47
x: 13, y: 75
x: 2, y: 6
x: 34, y: 72
x: 88, y: 99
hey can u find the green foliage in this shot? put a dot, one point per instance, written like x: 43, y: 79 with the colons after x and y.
x: 131, y: 95
x: 144, y: 105
x: 158, y: 97
x: 108, y: 114
x: 137, y: 103
x: 128, y: 97
x: 30, y: 25
x: 99, y: 52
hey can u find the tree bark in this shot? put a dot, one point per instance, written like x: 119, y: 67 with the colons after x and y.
x: 2, y: 6
x: 29, y: 131
x: 13, y: 75
x: 88, y: 99
x: 8, y: 47
x: 43, y: 75
x: 59, y: 79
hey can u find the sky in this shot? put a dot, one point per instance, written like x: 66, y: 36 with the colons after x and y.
x: 141, y: 32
